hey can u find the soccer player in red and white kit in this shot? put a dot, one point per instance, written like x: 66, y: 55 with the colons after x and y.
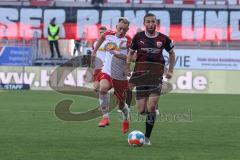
x: 113, y: 75
x: 149, y: 69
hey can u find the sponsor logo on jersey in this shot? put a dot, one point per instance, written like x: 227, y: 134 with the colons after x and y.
x: 151, y: 50
x: 110, y: 46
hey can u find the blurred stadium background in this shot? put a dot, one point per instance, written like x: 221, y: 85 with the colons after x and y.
x: 200, y: 117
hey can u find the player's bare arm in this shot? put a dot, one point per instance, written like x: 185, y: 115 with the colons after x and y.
x: 99, y: 43
x: 171, y: 64
x: 129, y: 60
x: 120, y: 55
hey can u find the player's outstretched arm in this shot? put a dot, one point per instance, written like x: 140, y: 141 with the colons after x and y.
x: 120, y: 56
x: 99, y: 43
x: 171, y: 64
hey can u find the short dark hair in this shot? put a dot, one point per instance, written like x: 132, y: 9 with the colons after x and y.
x: 149, y: 15
x: 102, y: 28
x: 123, y: 20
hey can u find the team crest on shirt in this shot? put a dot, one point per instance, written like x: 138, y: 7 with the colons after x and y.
x: 159, y: 44
x: 110, y: 46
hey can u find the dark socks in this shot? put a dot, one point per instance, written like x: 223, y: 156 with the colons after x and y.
x: 129, y: 98
x: 150, y: 119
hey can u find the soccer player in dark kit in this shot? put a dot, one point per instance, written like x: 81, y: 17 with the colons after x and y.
x: 149, y: 69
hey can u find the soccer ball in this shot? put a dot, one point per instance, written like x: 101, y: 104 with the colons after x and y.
x: 136, y: 138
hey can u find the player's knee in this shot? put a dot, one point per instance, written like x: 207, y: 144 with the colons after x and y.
x: 103, y: 89
x: 152, y: 109
x: 142, y: 111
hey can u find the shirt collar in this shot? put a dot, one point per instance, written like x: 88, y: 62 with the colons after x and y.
x: 154, y: 36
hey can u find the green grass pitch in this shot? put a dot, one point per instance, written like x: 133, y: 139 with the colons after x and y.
x: 192, y: 127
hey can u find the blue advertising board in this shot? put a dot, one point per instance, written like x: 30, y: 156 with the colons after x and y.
x: 16, y: 56
x: 14, y: 86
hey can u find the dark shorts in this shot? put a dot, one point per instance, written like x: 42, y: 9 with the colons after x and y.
x: 146, y: 90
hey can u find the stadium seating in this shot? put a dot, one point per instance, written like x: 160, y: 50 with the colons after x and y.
x: 41, y: 2
x: 155, y: 3
x: 167, y: 2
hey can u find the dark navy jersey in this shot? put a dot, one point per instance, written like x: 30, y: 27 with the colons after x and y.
x: 149, y: 52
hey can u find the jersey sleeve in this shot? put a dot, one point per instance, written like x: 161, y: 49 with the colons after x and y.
x: 169, y: 44
x: 133, y: 45
x: 108, y: 33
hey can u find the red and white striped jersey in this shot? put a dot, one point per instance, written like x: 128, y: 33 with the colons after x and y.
x: 112, y: 44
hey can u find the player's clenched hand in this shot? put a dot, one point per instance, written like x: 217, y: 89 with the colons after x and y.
x: 88, y: 76
x: 127, y: 71
x: 131, y: 86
